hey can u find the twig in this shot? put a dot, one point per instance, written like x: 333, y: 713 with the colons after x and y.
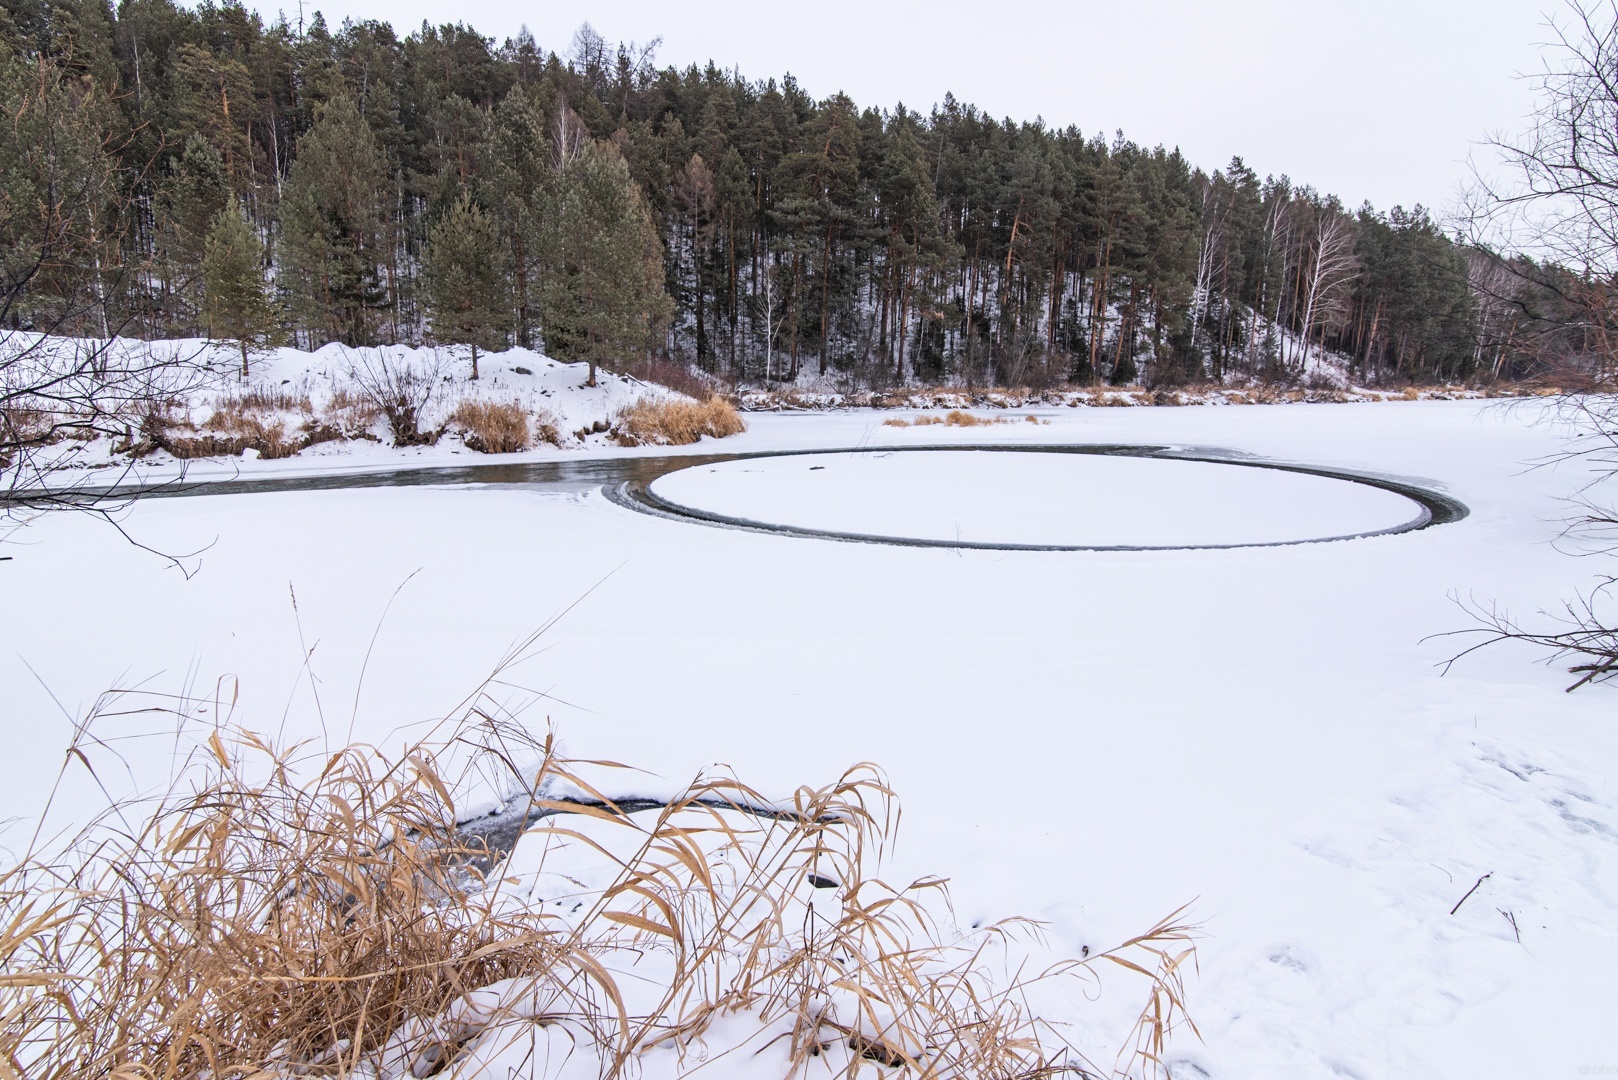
x: 1512, y: 919
x: 1470, y: 891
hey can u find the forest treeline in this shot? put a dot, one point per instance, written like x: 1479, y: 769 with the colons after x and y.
x: 170, y: 171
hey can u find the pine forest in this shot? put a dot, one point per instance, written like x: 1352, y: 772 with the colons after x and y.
x: 175, y: 172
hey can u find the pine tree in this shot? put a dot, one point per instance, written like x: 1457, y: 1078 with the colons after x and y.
x: 61, y: 212
x: 334, y: 228
x: 466, y: 295
x: 189, y: 200
x: 515, y: 185
x: 605, y: 301
x: 235, y: 301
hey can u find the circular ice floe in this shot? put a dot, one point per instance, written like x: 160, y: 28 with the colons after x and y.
x: 1038, y: 499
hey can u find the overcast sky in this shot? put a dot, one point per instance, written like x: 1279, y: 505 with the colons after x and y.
x: 1371, y: 99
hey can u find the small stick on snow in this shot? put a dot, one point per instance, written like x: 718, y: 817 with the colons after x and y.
x: 1512, y: 919
x: 1470, y: 891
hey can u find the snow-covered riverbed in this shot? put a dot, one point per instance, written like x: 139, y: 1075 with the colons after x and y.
x: 1090, y: 738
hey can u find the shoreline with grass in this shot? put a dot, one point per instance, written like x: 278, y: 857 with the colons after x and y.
x: 338, y: 410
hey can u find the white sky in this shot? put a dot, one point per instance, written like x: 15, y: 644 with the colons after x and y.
x: 1371, y: 99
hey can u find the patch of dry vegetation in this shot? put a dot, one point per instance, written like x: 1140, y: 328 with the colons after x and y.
x: 272, y: 917
x: 274, y: 423
x: 955, y: 418
x: 500, y: 427
x: 674, y: 376
x: 676, y: 422
x: 351, y: 413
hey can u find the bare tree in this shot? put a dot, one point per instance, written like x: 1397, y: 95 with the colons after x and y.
x: 1330, y: 265
x: 1213, y: 237
x: 1557, y: 208
x: 67, y: 378
x: 1555, y: 205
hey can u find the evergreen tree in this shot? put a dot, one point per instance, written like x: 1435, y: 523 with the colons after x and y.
x: 62, y: 214
x: 605, y: 302
x: 465, y: 292
x: 334, y: 228
x: 235, y: 301
x: 517, y: 179
x: 189, y: 200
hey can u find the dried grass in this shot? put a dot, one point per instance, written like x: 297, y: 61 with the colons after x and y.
x: 351, y: 413
x: 674, y: 376
x: 676, y: 422
x: 274, y: 919
x: 261, y: 397
x: 492, y: 427
x: 953, y: 418
x: 272, y: 422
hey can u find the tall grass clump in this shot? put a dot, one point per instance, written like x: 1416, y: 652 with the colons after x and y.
x: 677, y: 422
x: 283, y: 914
x: 492, y: 427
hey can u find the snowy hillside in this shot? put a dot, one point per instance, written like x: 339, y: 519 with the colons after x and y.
x: 342, y: 408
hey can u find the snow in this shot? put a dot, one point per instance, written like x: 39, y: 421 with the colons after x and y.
x: 1087, y: 738
x: 980, y: 496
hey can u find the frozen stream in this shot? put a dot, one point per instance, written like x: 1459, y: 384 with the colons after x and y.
x: 1084, y: 497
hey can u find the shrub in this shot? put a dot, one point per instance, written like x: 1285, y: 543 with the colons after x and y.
x: 674, y: 376
x: 491, y: 427
x: 261, y: 397
x: 677, y: 422
x: 398, y: 391
x: 254, y: 420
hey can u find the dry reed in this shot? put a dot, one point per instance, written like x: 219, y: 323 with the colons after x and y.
x: 953, y: 418
x: 492, y: 427
x: 351, y: 412
x: 271, y: 920
x: 676, y: 422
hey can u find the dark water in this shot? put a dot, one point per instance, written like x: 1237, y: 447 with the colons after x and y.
x: 585, y: 474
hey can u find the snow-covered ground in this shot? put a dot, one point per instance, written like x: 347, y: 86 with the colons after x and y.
x: 1089, y: 738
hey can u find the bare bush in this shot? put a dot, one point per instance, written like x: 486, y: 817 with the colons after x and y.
x: 56, y: 391
x: 671, y: 375
x: 398, y: 391
x: 677, y: 422
x: 1584, y: 632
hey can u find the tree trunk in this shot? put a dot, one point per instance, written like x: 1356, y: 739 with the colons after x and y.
x: 825, y: 300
